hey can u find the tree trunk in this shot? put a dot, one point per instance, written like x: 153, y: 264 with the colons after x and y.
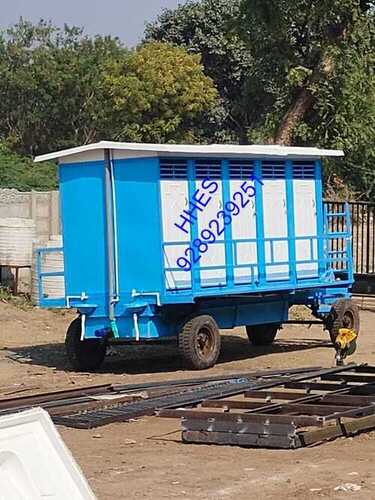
x: 302, y: 103
x: 295, y: 114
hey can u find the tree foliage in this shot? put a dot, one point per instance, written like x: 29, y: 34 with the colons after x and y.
x: 50, y: 86
x: 303, y: 72
x: 206, y: 27
x: 259, y: 71
x: 60, y: 88
x: 315, y: 61
x: 296, y: 46
x: 158, y: 94
x: 19, y: 172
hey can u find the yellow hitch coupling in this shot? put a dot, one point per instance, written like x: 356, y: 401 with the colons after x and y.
x: 345, y: 344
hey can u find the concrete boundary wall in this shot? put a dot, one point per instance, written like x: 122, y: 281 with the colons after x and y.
x: 41, y: 206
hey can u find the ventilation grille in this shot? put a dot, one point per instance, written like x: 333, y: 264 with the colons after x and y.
x: 274, y: 169
x: 241, y: 169
x: 303, y: 170
x: 173, y: 169
x: 208, y: 168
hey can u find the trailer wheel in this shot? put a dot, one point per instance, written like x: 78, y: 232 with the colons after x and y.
x: 83, y: 355
x: 344, y: 314
x: 199, y: 342
x: 262, y: 334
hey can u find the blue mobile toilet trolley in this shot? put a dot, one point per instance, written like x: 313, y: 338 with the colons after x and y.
x: 169, y: 242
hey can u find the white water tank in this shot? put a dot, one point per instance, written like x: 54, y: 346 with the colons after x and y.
x: 16, y: 239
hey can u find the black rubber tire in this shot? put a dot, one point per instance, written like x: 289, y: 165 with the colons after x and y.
x: 344, y: 314
x: 192, y: 344
x: 262, y: 334
x: 83, y: 355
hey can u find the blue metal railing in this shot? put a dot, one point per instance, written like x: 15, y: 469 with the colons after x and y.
x: 43, y: 300
x: 337, y: 256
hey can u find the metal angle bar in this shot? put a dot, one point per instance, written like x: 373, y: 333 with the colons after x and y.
x: 333, y: 431
x: 309, y: 398
x: 302, y: 399
x: 54, y: 396
x: 231, y: 438
x: 303, y: 321
x: 265, y: 418
x: 308, y: 409
x: 352, y: 413
x: 316, y: 386
x: 348, y: 377
x: 365, y: 368
x: 202, y: 380
x: 344, y: 399
x: 241, y: 428
x: 91, y: 405
x: 148, y: 406
x: 188, y: 397
x: 48, y: 405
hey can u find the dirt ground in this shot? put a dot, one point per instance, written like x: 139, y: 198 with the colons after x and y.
x: 146, y: 458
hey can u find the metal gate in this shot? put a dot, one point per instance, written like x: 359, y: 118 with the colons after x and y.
x: 363, y: 243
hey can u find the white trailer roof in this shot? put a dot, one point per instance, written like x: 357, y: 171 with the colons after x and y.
x: 129, y: 149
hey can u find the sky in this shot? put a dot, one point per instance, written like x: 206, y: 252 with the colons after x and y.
x: 123, y: 18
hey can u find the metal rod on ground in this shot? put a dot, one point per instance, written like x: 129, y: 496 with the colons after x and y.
x: 192, y: 396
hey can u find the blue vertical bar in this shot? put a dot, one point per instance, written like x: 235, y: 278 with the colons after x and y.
x: 291, y: 221
x: 38, y: 257
x: 195, y: 275
x: 261, y: 255
x: 319, y: 216
x: 228, y: 229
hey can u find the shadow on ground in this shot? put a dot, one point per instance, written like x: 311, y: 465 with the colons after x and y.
x: 157, y: 358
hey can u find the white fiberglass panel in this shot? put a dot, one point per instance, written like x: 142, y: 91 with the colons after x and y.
x: 215, y: 254
x: 244, y: 228
x: 35, y: 464
x: 275, y: 226
x: 305, y: 226
x: 175, y: 199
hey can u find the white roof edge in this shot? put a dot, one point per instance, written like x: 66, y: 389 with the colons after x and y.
x: 185, y: 149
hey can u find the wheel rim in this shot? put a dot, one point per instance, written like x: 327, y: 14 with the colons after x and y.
x: 205, y: 342
x: 348, y: 320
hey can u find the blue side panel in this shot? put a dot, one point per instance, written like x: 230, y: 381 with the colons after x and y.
x: 83, y: 221
x: 139, y: 226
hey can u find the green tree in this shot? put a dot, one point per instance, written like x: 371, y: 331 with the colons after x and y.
x: 19, y: 172
x: 50, y: 86
x: 289, y: 72
x: 315, y: 63
x: 59, y: 88
x: 159, y: 93
x: 207, y: 27
x: 296, y: 47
